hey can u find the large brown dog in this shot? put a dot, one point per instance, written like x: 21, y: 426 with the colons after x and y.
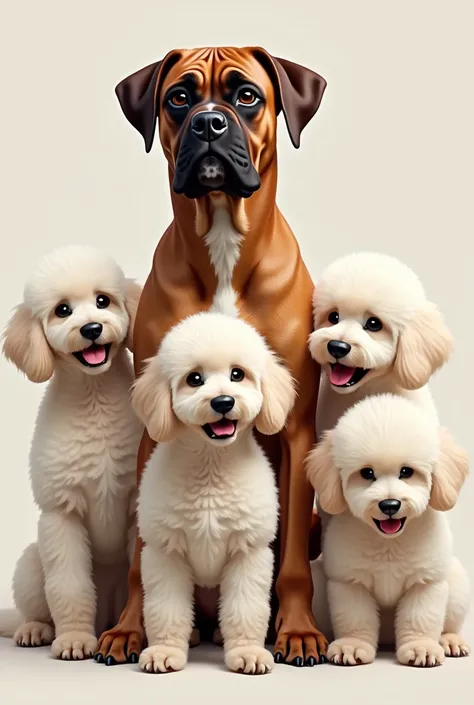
x: 230, y: 249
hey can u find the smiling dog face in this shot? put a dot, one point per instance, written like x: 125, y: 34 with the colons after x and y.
x: 214, y: 375
x: 78, y: 309
x: 217, y: 109
x: 386, y: 461
x: 372, y: 319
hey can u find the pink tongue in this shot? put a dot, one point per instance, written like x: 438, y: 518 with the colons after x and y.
x: 95, y: 355
x: 390, y: 526
x: 223, y: 427
x: 340, y: 374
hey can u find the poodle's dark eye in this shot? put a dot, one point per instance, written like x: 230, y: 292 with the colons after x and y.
x: 63, y: 311
x: 367, y: 474
x: 237, y: 374
x: 373, y: 324
x: 102, y: 301
x: 405, y: 473
x: 333, y: 317
x: 194, y: 379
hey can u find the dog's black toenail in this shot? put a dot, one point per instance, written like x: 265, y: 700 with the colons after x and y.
x: 298, y: 661
x: 98, y: 658
x: 110, y: 661
x: 133, y: 658
x: 322, y: 659
x: 311, y: 662
x: 278, y: 657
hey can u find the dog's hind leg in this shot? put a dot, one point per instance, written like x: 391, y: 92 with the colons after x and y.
x: 458, y: 606
x: 28, y: 593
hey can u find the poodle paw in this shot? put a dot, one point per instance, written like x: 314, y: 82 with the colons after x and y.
x: 350, y: 651
x: 454, y: 645
x: 74, y: 645
x: 251, y: 659
x: 34, y: 634
x: 423, y: 653
x: 162, y: 659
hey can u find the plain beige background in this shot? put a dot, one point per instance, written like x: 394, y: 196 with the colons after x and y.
x: 386, y: 165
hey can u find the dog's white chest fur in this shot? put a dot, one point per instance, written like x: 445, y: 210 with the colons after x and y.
x: 223, y: 243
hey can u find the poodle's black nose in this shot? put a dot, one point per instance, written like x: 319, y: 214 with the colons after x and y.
x: 222, y: 404
x: 389, y: 506
x: 91, y: 331
x: 338, y: 349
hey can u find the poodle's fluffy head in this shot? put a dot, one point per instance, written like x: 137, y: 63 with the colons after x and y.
x: 77, y: 309
x: 215, y: 375
x: 386, y: 461
x: 372, y: 318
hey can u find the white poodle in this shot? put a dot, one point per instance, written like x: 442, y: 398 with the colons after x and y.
x: 375, y: 332
x: 74, y: 325
x: 386, y: 473
x: 208, y: 507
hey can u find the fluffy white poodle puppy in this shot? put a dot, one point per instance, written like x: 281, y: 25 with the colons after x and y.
x: 375, y: 332
x: 73, y: 326
x: 387, y: 475
x: 208, y: 507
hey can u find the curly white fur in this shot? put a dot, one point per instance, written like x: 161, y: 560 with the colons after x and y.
x: 207, y: 508
x: 392, y: 575
x: 83, y: 454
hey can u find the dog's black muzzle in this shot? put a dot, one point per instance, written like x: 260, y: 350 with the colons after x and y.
x: 213, y: 156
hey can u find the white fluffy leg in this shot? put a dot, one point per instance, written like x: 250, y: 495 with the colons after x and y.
x: 70, y: 592
x: 36, y: 627
x: 452, y: 641
x: 355, y: 619
x: 245, y: 611
x: 418, y: 625
x: 168, y: 610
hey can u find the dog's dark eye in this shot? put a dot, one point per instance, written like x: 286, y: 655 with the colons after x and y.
x: 179, y: 99
x: 367, y: 474
x: 102, y: 301
x: 405, y: 473
x: 237, y: 374
x: 194, y: 379
x: 62, y: 311
x: 333, y: 317
x: 373, y: 324
x: 247, y: 97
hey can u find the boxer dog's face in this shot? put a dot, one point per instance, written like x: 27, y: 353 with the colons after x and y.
x: 217, y: 111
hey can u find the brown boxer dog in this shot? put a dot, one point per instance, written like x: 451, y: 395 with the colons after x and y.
x: 229, y: 249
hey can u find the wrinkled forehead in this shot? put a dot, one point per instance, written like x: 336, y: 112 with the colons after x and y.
x: 216, y: 70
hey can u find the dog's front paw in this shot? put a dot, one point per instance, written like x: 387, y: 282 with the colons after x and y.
x: 251, y: 659
x: 454, y: 645
x: 421, y: 653
x: 162, y: 659
x: 74, y: 645
x: 34, y: 634
x: 350, y: 651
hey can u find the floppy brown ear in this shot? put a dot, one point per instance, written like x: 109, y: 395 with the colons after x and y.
x: 151, y: 400
x: 133, y: 292
x: 325, y: 477
x: 449, y: 475
x: 25, y: 344
x: 138, y: 93
x: 298, y: 91
x: 424, y: 346
x: 279, y: 396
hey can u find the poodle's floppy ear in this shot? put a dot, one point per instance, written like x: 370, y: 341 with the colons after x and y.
x: 449, y: 475
x: 151, y: 400
x: 278, y: 397
x: 133, y: 292
x: 424, y: 346
x: 325, y: 477
x: 25, y: 344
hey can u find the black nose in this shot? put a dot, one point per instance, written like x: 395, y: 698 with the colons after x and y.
x: 91, y: 331
x: 222, y: 404
x: 338, y: 349
x: 209, y: 125
x: 389, y: 506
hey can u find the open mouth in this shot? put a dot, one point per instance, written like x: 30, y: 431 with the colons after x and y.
x: 94, y: 356
x: 390, y: 526
x: 344, y: 376
x: 220, y: 430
